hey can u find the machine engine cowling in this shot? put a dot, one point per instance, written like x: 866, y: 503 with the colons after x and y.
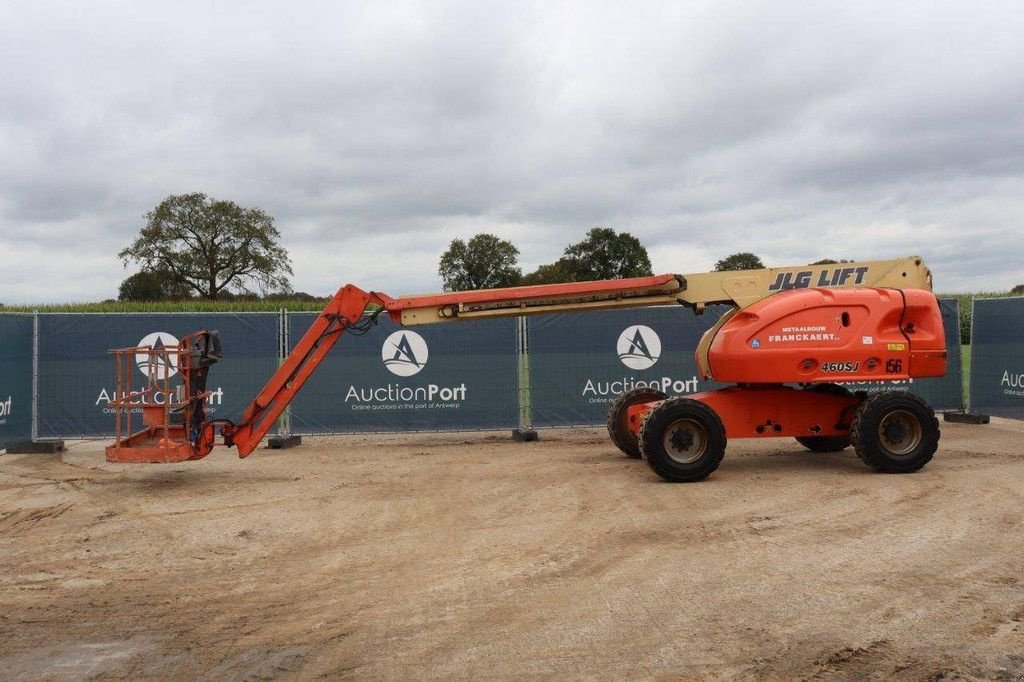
x: 832, y: 335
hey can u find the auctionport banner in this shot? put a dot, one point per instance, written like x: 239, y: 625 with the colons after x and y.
x: 579, y: 363
x: 15, y: 379
x: 997, y: 357
x: 77, y: 374
x: 441, y: 377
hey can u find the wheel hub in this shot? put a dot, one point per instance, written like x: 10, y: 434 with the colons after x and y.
x: 900, y: 432
x: 895, y: 431
x: 685, y: 441
x: 682, y: 439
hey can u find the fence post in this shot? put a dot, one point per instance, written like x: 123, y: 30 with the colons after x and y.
x: 968, y: 416
x: 283, y: 422
x: 283, y: 439
x: 525, y: 432
x: 970, y: 381
x: 35, y: 376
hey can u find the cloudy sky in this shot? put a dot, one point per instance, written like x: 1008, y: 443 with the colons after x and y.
x: 377, y: 132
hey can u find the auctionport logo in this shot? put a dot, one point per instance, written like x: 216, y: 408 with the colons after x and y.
x: 404, y: 353
x: 639, y: 347
x: 153, y: 365
x: 5, y: 409
x: 157, y: 368
x: 1012, y: 383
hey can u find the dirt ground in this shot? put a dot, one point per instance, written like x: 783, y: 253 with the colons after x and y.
x: 469, y: 556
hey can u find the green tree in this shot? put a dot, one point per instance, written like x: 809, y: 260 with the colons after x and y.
x: 211, y: 246
x: 552, y: 273
x: 605, y: 254
x: 1019, y: 289
x: 739, y: 261
x: 830, y: 261
x: 484, y: 262
x: 151, y: 285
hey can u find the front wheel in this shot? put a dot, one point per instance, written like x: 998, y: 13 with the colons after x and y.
x: 895, y: 432
x: 682, y: 440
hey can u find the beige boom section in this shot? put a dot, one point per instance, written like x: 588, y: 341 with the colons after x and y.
x: 743, y: 288
x: 739, y: 288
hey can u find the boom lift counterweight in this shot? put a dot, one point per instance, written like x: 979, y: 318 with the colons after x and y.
x: 812, y: 325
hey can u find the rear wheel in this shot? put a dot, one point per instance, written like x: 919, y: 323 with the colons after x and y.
x: 682, y: 440
x: 618, y: 418
x: 826, y: 443
x: 895, y: 432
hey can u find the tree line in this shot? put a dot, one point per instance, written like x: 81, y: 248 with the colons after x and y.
x: 195, y: 246
x: 486, y: 261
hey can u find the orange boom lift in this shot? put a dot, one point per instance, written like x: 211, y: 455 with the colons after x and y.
x: 791, y: 338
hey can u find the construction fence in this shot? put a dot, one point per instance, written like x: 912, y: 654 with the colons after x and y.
x: 563, y: 369
x: 997, y: 357
x: 16, y: 344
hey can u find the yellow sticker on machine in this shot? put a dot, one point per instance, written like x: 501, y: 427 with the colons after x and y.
x: 896, y: 346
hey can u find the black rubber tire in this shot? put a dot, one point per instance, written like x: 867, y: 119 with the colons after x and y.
x: 870, y: 443
x: 652, y: 436
x: 826, y: 443
x: 618, y: 428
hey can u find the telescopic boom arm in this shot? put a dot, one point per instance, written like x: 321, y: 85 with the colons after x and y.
x: 739, y: 288
x: 346, y: 311
x: 343, y: 313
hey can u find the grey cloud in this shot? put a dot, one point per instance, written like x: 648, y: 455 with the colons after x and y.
x: 377, y: 132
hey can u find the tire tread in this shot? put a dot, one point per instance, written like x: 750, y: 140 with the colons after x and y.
x: 866, y: 449
x: 648, y: 441
x: 616, y: 412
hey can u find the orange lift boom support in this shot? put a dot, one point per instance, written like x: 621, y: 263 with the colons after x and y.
x: 345, y: 312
